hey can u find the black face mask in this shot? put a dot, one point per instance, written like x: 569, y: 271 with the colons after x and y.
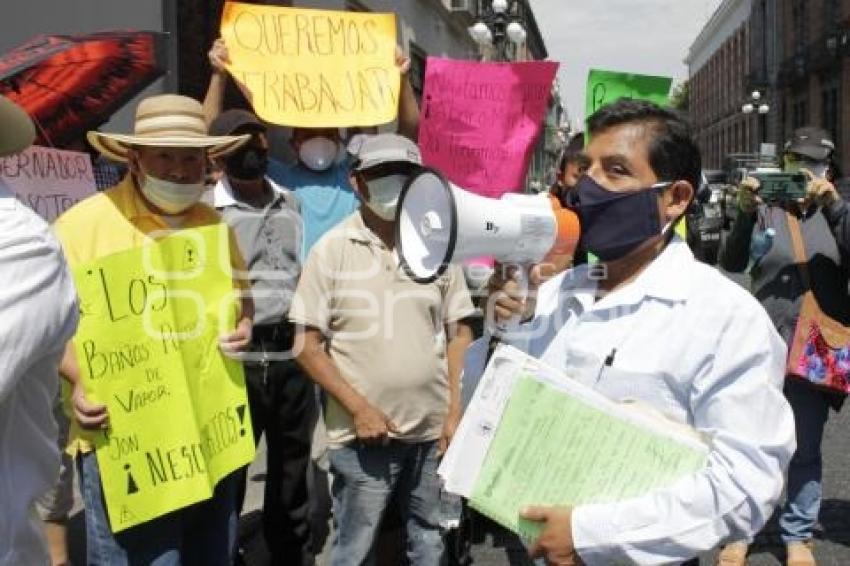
x: 614, y: 224
x: 248, y: 164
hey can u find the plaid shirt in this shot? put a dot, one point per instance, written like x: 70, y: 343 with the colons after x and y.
x: 107, y: 173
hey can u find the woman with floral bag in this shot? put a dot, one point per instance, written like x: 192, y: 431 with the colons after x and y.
x: 796, y: 251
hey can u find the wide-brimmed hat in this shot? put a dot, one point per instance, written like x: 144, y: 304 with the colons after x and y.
x: 17, y: 131
x: 167, y: 120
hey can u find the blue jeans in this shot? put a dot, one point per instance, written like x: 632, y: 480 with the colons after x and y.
x: 800, y: 512
x: 364, y: 479
x: 201, y: 534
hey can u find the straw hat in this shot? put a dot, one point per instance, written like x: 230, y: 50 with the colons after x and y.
x: 167, y: 120
x: 16, y: 129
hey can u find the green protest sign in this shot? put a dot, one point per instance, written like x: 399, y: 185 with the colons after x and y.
x: 147, y: 347
x: 605, y: 87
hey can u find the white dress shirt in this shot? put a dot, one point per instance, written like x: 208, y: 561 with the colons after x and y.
x: 700, y: 349
x: 38, y: 315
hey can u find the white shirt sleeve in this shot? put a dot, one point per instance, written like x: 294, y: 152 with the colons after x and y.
x: 737, y: 401
x: 38, y: 304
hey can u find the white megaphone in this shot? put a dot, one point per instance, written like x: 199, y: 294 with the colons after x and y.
x: 438, y: 224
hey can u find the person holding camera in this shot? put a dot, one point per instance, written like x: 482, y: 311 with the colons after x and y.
x: 762, y: 242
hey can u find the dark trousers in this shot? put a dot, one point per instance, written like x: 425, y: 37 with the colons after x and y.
x: 283, y: 406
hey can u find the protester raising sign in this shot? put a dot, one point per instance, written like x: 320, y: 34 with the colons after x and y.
x: 314, y: 68
x: 480, y: 120
x: 605, y: 87
x: 49, y: 181
x: 147, y: 347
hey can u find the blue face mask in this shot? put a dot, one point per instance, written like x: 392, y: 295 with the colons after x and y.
x: 613, y: 223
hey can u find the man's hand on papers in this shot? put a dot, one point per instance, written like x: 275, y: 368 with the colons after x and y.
x: 555, y: 544
x: 89, y: 415
x: 449, y: 428
x: 372, y: 426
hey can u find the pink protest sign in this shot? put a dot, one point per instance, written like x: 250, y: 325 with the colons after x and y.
x: 480, y: 121
x: 50, y: 181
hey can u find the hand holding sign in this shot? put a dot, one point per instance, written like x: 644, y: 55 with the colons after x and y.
x: 401, y: 61
x: 238, y: 340
x: 314, y: 68
x: 219, y: 56
x: 88, y: 414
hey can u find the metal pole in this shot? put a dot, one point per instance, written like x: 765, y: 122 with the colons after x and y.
x: 758, y: 132
x: 500, y: 37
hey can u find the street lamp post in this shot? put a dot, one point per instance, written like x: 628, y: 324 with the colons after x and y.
x: 756, y: 106
x: 497, y: 26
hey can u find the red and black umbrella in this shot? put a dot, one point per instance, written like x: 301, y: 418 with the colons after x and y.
x: 72, y: 84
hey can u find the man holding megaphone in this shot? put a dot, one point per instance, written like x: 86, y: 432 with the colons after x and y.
x: 650, y: 323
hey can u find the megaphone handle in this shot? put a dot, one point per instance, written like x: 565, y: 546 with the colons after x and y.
x: 504, y: 329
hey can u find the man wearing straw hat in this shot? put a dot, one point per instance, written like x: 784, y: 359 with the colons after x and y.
x: 39, y: 311
x: 166, y: 158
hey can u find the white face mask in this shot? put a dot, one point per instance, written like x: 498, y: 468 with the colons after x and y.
x: 318, y: 153
x: 171, y: 198
x: 383, y: 195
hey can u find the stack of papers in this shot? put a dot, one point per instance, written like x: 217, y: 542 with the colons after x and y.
x: 533, y: 436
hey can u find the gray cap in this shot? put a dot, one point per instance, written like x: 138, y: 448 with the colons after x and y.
x: 815, y: 143
x: 371, y: 150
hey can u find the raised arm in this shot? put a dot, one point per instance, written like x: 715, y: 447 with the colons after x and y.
x: 408, y: 107
x: 214, y: 99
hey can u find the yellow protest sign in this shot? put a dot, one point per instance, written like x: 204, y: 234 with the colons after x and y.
x: 314, y: 68
x: 147, y: 347
x: 682, y: 229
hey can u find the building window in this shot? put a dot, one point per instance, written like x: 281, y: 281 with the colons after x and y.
x: 799, y: 114
x: 830, y: 111
x: 831, y: 16
x: 799, y: 23
x: 418, y: 58
x: 739, y: 137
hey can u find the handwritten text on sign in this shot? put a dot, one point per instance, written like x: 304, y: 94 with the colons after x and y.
x: 147, y: 347
x: 49, y: 181
x: 605, y: 87
x: 480, y: 120
x: 314, y: 68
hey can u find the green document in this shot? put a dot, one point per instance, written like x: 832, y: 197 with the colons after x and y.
x: 605, y: 87
x: 552, y: 448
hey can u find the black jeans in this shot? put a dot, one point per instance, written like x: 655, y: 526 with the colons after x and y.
x: 283, y: 406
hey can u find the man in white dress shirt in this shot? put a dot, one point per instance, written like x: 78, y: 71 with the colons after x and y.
x: 650, y: 323
x: 38, y: 307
